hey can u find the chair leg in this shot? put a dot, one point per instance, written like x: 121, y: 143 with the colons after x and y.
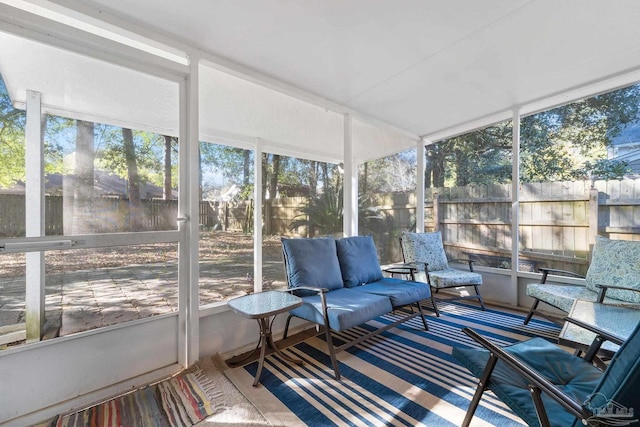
x: 424, y: 321
x: 479, y: 297
x: 482, y: 386
x: 433, y: 302
x: 543, y: 418
x: 532, y: 310
x: 332, y: 353
x: 286, y: 327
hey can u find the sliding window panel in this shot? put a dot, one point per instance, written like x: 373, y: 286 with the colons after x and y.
x: 386, y: 202
x: 578, y: 177
x: 226, y: 222
x: 301, y: 198
x: 468, y: 194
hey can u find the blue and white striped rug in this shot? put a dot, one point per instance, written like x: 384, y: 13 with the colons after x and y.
x: 404, y: 377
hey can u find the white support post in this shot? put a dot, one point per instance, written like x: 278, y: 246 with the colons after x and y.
x: 188, y: 221
x: 420, y: 151
x: 515, y: 206
x: 350, y: 183
x: 34, y: 206
x: 257, y: 218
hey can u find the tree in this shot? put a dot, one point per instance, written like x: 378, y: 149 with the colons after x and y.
x: 133, y: 179
x: 12, y: 144
x: 81, y: 214
x: 564, y: 143
x: 167, y: 187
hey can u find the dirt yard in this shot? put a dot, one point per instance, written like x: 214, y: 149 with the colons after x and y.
x: 217, y: 247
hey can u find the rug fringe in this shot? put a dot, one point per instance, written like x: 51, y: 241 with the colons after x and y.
x: 215, y: 396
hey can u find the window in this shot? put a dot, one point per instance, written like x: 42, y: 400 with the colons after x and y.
x: 302, y: 198
x: 386, y: 201
x: 107, y: 138
x: 577, y: 178
x: 468, y: 194
x: 226, y: 222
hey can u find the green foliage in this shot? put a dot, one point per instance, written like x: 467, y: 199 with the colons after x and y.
x: 322, y: 214
x: 606, y: 169
x: 564, y: 143
x: 12, y: 143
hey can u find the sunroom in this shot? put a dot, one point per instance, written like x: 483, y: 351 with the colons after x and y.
x: 154, y: 153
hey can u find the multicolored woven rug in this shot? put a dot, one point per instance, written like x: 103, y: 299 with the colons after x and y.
x: 406, y: 377
x: 180, y: 401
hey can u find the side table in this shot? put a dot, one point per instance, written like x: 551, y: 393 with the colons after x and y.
x: 264, y: 307
x: 618, y: 321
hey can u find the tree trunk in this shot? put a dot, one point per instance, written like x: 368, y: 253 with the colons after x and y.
x: 313, y: 178
x: 273, y: 180
x: 84, y: 178
x: 246, y: 168
x: 135, y: 204
x: 167, y: 193
x: 265, y: 173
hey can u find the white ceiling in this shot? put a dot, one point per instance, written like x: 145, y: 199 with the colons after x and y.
x: 423, y: 66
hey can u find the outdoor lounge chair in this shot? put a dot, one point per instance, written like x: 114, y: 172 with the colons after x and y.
x: 547, y: 386
x: 613, y: 277
x: 425, y: 252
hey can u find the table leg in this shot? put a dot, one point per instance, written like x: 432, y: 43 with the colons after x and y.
x: 265, y: 334
x: 266, y: 340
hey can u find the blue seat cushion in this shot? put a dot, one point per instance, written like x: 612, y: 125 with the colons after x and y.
x: 400, y: 292
x: 358, y: 260
x: 346, y: 308
x: 312, y: 262
x: 573, y: 375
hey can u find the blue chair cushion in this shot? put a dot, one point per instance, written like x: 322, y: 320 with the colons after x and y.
x: 575, y: 376
x: 619, y: 384
x: 346, y: 308
x: 400, y: 292
x: 312, y: 262
x: 358, y: 260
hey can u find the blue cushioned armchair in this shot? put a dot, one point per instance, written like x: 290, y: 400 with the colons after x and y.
x: 613, y: 277
x: 547, y: 386
x: 342, y: 286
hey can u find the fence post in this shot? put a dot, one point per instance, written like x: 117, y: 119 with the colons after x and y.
x: 436, y: 211
x: 226, y: 216
x: 593, y: 215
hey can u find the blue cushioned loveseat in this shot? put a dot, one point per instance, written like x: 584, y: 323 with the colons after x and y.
x: 342, y: 285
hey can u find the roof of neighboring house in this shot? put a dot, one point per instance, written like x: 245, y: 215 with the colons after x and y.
x: 105, y: 184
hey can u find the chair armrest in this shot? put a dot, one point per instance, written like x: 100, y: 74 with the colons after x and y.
x: 465, y: 260
x: 307, y: 288
x: 604, y: 288
x: 532, y: 376
x: 401, y: 269
x: 545, y: 272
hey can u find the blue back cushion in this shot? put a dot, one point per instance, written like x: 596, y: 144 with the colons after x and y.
x: 358, y: 260
x: 312, y: 262
x: 619, y: 384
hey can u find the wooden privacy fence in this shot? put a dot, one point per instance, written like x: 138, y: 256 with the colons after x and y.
x: 558, y: 220
x: 100, y: 215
